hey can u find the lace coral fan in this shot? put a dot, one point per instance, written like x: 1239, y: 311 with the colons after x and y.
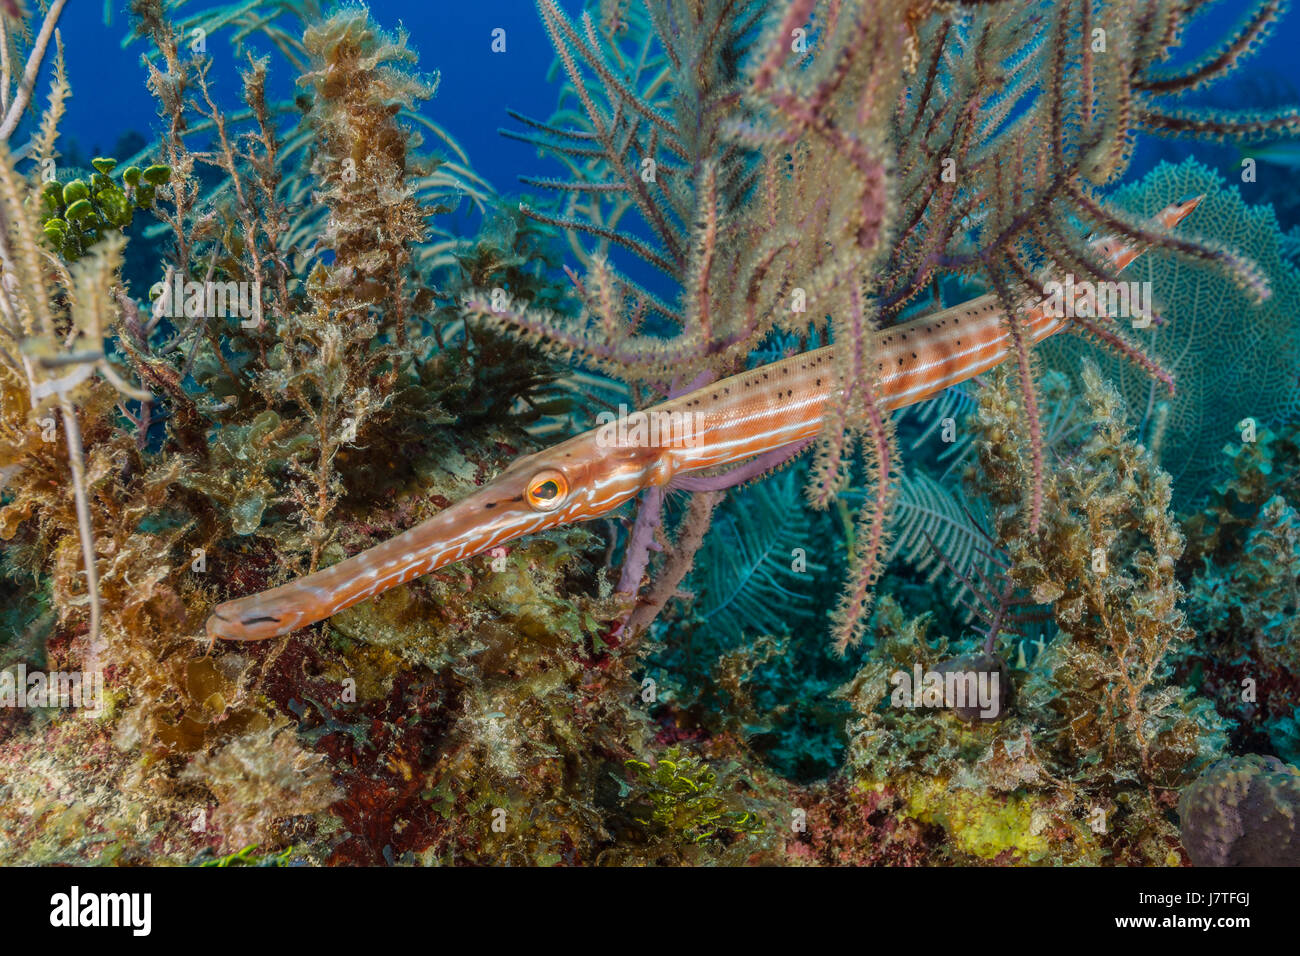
x: 1235, y: 355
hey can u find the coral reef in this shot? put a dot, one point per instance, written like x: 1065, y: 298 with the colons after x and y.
x: 1243, y: 568
x: 1097, y: 739
x: 323, y: 360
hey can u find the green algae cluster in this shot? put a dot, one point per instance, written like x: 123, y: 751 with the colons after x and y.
x: 78, y: 213
x: 982, y: 823
x: 678, y: 794
x: 249, y: 856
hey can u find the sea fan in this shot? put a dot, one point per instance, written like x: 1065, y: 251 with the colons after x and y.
x: 1218, y: 335
x: 749, y: 576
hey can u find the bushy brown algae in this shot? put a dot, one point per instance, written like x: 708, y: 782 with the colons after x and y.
x: 1098, y: 739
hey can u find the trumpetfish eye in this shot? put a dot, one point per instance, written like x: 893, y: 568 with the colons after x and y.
x: 547, y: 490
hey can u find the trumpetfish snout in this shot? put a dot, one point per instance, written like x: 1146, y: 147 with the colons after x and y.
x: 577, y: 479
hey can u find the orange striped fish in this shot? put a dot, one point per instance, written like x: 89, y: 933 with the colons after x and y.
x: 756, y: 412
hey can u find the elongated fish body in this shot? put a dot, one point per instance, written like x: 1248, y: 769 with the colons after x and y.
x: 729, y: 421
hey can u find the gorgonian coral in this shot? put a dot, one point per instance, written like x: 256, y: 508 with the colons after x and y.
x: 812, y: 169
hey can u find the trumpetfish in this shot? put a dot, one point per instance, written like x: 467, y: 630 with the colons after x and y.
x: 758, y: 411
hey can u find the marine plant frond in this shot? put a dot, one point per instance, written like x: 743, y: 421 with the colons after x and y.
x: 832, y: 461
x: 933, y: 531
x: 872, y: 535
x: 678, y: 560
x: 240, y: 19
x: 934, y: 416
x: 42, y: 149
x: 586, y: 339
x: 15, y: 101
x: 1223, y: 125
x: 745, y: 580
x: 633, y: 133
x: 1116, y: 343
x: 565, y: 407
x: 642, y: 250
x: 1027, y: 378
x: 983, y: 586
x: 27, y: 298
x: 1249, y: 37
x: 848, y: 405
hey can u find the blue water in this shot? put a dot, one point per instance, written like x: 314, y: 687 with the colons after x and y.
x: 477, y: 85
x: 452, y: 38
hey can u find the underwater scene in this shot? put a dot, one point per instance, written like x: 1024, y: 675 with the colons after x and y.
x: 649, y: 433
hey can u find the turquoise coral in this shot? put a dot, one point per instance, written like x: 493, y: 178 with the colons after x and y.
x: 1217, y: 335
